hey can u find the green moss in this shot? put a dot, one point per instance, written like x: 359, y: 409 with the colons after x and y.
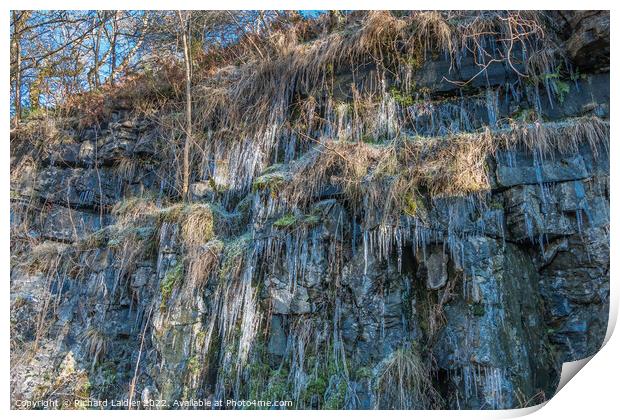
x: 406, y: 302
x: 200, y: 337
x: 329, y: 69
x: 290, y: 220
x: 412, y: 204
x: 173, y: 277
x: 316, y: 386
x: 234, y: 250
x: 277, y: 386
x: 401, y: 98
x: 311, y: 219
x: 335, y: 401
x: 258, y: 374
x: 109, y: 375
x: 496, y: 205
x: 271, y: 181
x: 193, y: 365
x: 213, y: 184
x: 478, y: 309
x: 363, y: 373
x: 525, y: 115
x: 285, y: 221
x: 258, y: 368
x: 84, y: 388
x: 562, y: 89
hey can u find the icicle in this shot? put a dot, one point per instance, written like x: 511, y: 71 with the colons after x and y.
x: 365, y: 252
x: 492, y: 98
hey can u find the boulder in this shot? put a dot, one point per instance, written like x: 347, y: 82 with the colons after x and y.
x: 437, y: 270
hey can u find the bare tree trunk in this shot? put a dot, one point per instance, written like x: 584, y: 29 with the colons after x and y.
x: 113, y: 47
x: 18, y: 85
x: 18, y: 68
x: 129, y: 55
x: 188, y: 105
x: 96, y: 61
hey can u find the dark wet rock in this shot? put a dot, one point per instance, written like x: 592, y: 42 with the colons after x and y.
x: 586, y: 96
x: 277, y: 337
x: 300, y: 303
x: 146, y: 144
x: 526, y: 170
x: 588, y: 45
x: 65, y: 155
x: 281, y: 301
x: 114, y: 148
x: 78, y: 187
x: 442, y: 76
x: 436, y: 270
x: 490, y: 346
x: 67, y: 225
x: 142, y: 277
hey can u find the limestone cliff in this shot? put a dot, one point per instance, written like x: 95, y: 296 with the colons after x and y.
x: 376, y: 221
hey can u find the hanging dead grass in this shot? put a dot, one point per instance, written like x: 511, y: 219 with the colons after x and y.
x: 386, y: 176
x: 197, y: 225
x: 455, y: 167
x: 96, y: 342
x: 44, y: 257
x: 259, y: 92
x: 432, y: 31
x: 556, y: 137
x: 404, y: 382
x: 203, y: 261
x: 134, y: 210
x: 241, y: 97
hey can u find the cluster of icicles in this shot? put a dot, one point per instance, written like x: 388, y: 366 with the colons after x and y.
x: 238, y: 312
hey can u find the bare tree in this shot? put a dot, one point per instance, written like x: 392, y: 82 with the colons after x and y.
x: 18, y: 22
x: 56, y: 54
x: 185, y: 25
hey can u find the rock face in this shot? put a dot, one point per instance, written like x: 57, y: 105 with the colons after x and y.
x: 588, y: 45
x: 477, y: 299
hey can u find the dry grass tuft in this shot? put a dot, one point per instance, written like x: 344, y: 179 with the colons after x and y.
x: 44, y: 257
x: 195, y: 221
x: 562, y: 137
x: 197, y: 225
x: 203, y: 262
x: 134, y: 210
x: 96, y: 345
x: 404, y: 383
